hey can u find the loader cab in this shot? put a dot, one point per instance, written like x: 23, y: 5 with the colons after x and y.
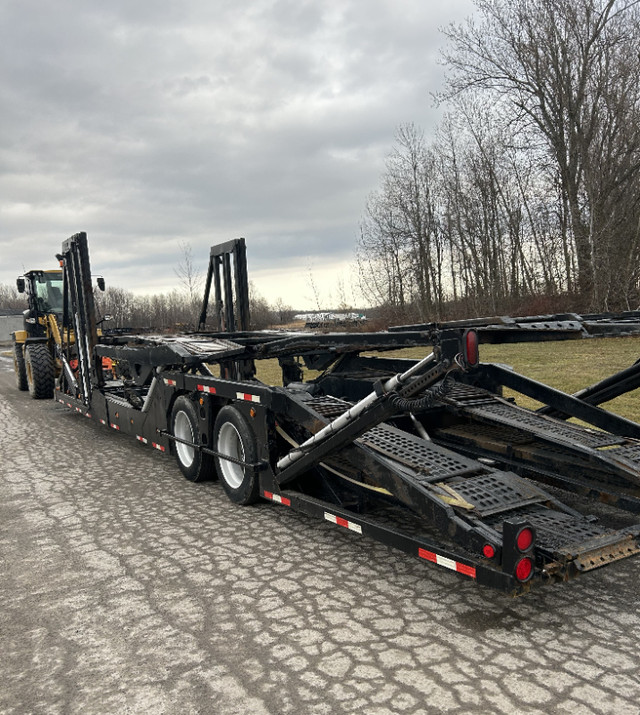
x: 44, y: 295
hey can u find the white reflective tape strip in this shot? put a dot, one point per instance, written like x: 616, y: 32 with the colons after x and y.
x: 141, y: 439
x: 171, y: 383
x: 447, y: 562
x: 277, y: 498
x: 158, y: 446
x: 206, y: 388
x: 103, y: 422
x: 247, y: 397
x: 343, y: 522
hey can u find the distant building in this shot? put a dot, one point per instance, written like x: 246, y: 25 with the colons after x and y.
x: 331, y: 320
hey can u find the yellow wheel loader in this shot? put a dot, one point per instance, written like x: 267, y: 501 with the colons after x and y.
x: 35, y: 358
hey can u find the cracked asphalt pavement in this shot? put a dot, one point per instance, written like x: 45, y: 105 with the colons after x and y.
x: 127, y: 589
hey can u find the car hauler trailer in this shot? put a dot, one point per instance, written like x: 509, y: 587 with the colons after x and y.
x: 353, y: 446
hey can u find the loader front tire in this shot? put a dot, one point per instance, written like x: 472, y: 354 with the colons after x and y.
x: 20, y: 367
x: 233, y: 436
x: 194, y: 464
x: 40, y: 371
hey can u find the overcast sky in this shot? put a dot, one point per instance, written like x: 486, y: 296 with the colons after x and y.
x: 151, y: 123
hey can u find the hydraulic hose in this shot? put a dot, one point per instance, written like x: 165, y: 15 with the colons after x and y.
x: 431, y: 396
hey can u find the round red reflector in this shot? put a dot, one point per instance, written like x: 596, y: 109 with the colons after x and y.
x: 488, y: 551
x: 471, y: 345
x: 524, y: 539
x: 524, y: 567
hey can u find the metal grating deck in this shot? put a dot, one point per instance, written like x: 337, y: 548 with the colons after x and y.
x: 327, y: 406
x: 497, y: 492
x: 555, y: 429
x: 433, y: 462
x: 469, y: 394
x: 478, y: 433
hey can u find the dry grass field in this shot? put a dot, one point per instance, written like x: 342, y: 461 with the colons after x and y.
x: 571, y: 365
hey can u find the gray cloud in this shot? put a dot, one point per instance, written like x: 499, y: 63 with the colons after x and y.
x: 200, y: 121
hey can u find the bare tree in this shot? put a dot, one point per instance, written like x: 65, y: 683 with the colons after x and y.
x: 400, y: 248
x: 10, y: 299
x: 119, y: 304
x: 283, y: 311
x: 190, y: 277
x: 343, y: 303
x: 568, y: 69
x: 259, y: 311
x: 314, y: 289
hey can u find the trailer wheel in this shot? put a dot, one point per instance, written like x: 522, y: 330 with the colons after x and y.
x: 233, y: 436
x: 194, y: 464
x: 20, y: 368
x: 40, y: 372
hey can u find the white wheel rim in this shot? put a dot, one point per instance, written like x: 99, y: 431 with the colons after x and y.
x: 182, y: 430
x: 230, y: 443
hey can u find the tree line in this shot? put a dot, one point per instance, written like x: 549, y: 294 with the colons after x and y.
x: 528, y: 197
x: 178, y: 309
x: 175, y: 310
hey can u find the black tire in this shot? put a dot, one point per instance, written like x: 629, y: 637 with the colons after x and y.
x: 20, y: 367
x: 40, y: 371
x: 195, y: 465
x: 232, y: 435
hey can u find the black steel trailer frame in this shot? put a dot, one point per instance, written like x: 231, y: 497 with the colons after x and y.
x: 375, y: 444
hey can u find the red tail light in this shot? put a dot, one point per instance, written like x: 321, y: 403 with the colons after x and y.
x: 471, y: 355
x: 488, y: 551
x: 524, y: 539
x: 524, y: 569
x: 519, y: 548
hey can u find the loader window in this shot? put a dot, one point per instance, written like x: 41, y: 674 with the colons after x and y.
x: 49, y: 292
